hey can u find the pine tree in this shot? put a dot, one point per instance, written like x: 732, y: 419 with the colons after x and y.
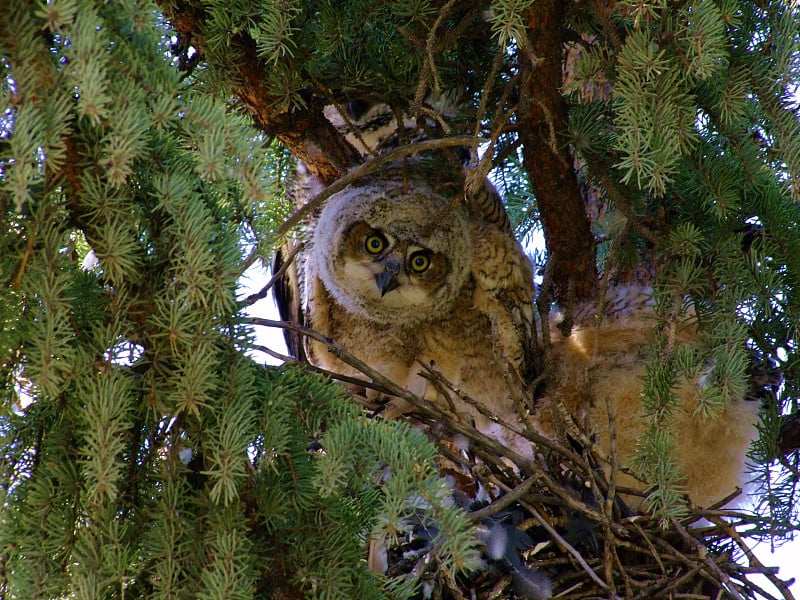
x: 144, y: 152
x: 144, y: 454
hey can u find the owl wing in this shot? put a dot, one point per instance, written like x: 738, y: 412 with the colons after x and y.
x: 288, y: 298
x: 503, y: 277
x: 485, y: 205
x: 504, y: 293
x: 290, y: 289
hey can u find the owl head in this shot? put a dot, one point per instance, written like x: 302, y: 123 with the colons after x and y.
x: 398, y: 256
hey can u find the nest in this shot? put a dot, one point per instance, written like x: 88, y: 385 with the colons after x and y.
x: 561, y: 530
x: 556, y: 526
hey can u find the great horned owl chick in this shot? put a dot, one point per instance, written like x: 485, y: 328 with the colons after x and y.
x: 599, y: 368
x: 403, y: 273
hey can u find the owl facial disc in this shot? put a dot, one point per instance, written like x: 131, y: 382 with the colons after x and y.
x: 395, y: 257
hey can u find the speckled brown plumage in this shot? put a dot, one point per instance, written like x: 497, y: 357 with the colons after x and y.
x: 468, y: 311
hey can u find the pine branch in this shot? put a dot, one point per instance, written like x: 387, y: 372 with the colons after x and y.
x: 304, y: 130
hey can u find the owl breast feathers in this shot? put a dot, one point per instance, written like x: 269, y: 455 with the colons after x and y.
x: 402, y: 275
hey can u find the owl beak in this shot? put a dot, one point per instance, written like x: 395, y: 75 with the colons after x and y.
x: 386, y: 280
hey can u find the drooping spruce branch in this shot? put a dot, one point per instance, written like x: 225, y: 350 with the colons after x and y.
x: 132, y: 420
x: 303, y: 129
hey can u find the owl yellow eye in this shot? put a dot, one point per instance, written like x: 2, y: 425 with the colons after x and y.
x: 420, y: 262
x: 375, y: 243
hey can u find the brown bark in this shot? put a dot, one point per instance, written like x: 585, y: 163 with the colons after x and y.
x: 548, y: 161
x: 307, y: 134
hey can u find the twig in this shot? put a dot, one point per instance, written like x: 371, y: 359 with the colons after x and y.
x: 355, y: 381
x: 752, y: 559
x: 612, y: 451
x: 677, y: 556
x: 505, y: 500
x: 277, y: 355
x: 430, y: 63
x: 262, y: 293
x: 788, y: 466
x: 23, y: 263
x: 755, y: 586
x: 650, y: 546
x: 487, y: 87
x: 392, y: 388
x: 702, y: 553
x: 568, y: 547
x: 674, y: 584
x: 530, y: 435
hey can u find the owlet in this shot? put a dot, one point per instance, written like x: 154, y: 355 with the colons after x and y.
x: 404, y: 273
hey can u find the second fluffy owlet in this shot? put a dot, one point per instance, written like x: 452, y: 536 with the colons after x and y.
x: 402, y: 273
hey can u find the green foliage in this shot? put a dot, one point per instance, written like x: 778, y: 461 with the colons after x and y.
x: 507, y: 21
x: 682, y: 118
x: 685, y: 117
x: 144, y: 454
x: 356, y: 49
x: 371, y: 478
